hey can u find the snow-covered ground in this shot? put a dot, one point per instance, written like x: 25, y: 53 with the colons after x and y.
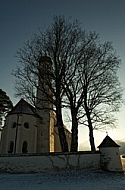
x: 64, y: 180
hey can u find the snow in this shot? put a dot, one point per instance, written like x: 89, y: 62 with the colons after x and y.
x: 64, y: 180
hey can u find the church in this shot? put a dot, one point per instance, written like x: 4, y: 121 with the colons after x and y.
x: 29, y: 130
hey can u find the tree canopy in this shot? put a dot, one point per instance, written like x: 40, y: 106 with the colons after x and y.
x: 5, y: 103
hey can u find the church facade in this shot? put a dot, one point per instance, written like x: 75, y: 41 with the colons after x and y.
x: 27, y: 132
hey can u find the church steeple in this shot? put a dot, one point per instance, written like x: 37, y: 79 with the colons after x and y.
x: 43, y: 105
x: 43, y: 90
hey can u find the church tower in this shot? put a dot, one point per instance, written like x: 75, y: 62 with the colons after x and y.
x: 43, y: 107
x: 30, y: 129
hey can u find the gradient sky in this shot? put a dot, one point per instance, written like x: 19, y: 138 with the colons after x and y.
x: 20, y: 19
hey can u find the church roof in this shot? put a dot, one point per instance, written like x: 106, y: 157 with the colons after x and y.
x: 22, y: 107
x: 108, y: 142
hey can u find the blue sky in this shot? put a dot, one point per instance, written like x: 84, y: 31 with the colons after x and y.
x: 20, y: 19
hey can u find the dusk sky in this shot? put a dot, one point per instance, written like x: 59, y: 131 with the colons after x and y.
x: 20, y: 19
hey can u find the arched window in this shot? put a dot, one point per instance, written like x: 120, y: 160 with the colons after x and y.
x: 11, y: 146
x: 24, y: 147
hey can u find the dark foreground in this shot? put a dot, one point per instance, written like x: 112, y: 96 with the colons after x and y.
x: 64, y: 180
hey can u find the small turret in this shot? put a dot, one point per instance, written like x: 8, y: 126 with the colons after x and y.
x: 109, y: 155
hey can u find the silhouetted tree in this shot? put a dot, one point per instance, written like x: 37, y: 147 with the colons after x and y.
x: 58, y: 43
x: 95, y: 87
x: 101, y: 87
x: 82, y: 76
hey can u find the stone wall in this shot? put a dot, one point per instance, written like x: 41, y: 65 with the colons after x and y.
x: 32, y: 163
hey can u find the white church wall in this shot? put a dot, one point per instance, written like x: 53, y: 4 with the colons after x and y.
x: 19, y: 133
x: 8, y: 133
x: 44, y: 133
x: 41, y: 163
x: 27, y: 134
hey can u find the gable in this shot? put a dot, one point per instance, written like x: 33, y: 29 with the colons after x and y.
x: 22, y: 107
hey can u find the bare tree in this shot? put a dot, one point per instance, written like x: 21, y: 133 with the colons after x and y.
x: 102, y: 90
x: 57, y: 42
x: 82, y: 76
x: 94, y: 91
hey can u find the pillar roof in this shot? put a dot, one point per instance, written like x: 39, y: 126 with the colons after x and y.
x: 108, y: 142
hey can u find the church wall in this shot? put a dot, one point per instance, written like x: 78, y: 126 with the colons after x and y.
x: 41, y: 134
x: 44, y: 133
x: 19, y: 128
x: 28, y: 133
x: 52, y: 161
x: 52, y: 123
x: 57, y: 146
x: 8, y: 133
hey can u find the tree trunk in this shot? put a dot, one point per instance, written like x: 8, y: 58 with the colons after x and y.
x: 62, y: 135
x: 91, y: 136
x: 63, y: 141
x: 74, y: 140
